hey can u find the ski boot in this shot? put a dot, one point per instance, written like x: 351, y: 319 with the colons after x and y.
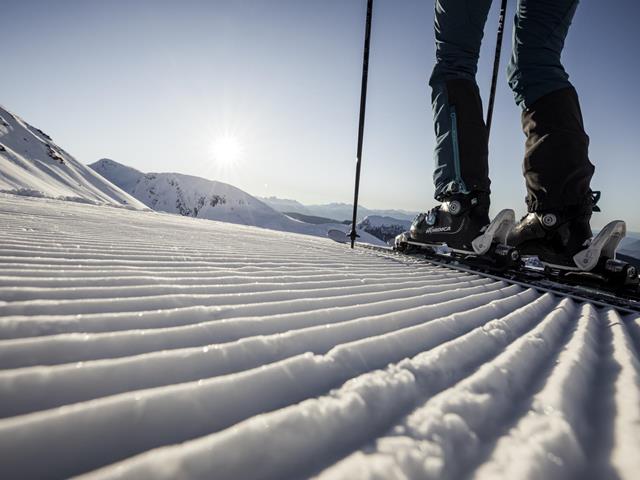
x: 456, y: 222
x: 563, y: 243
x: 554, y: 237
x: 462, y: 224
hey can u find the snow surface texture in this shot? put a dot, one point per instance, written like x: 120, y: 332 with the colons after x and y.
x: 144, y: 345
x: 198, y: 197
x: 31, y: 164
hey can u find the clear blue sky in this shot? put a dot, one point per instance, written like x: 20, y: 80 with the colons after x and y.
x: 153, y: 83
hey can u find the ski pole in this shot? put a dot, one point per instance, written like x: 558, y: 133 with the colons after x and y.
x: 363, y: 102
x: 496, y: 64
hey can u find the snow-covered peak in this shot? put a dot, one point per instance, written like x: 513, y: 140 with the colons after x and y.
x: 122, y: 175
x: 384, y: 227
x: 32, y: 164
x: 384, y: 221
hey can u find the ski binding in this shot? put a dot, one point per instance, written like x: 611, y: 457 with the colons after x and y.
x: 488, y: 249
x: 597, y: 264
x: 603, y: 245
x: 495, y: 233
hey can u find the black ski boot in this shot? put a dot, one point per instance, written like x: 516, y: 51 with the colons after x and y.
x: 557, y: 171
x: 457, y: 222
x: 554, y: 237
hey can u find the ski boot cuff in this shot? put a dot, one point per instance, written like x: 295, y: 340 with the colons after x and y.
x: 461, y: 203
x: 574, y: 217
x: 585, y: 207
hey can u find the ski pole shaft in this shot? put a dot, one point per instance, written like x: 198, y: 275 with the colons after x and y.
x: 496, y: 64
x: 363, y: 103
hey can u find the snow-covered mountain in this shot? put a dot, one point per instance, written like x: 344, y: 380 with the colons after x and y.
x: 32, y: 164
x: 208, y: 199
x: 192, y: 196
x: 339, y: 211
x: 384, y: 228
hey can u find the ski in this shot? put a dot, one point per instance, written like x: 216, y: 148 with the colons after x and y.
x: 597, y: 276
x: 627, y: 300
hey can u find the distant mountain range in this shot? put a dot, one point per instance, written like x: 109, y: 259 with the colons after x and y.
x: 314, y: 219
x: 208, y: 199
x: 338, y: 211
x: 630, y: 246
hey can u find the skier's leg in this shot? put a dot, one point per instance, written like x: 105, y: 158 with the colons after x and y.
x: 539, y: 33
x: 461, y: 174
x: 461, y: 152
x: 556, y: 167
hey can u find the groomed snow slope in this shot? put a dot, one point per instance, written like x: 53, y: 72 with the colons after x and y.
x: 32, y: 164
x: 143, y: 345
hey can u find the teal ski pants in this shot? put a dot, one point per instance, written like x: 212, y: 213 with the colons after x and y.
x: 535, y: 69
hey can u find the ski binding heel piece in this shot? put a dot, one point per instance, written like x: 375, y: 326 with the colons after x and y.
x: 603, y: 245
x: 496, y: 232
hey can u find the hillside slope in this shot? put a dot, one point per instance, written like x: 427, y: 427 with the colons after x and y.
x: 150, y: 346
x: 32, y: 164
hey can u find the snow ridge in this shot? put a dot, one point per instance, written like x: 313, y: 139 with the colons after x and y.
x: 162, y: 346
x: 32, y: 165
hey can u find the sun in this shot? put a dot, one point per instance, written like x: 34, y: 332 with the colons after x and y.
x: 227, y: 150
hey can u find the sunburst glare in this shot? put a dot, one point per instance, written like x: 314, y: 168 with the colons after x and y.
x: 227, y: 149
